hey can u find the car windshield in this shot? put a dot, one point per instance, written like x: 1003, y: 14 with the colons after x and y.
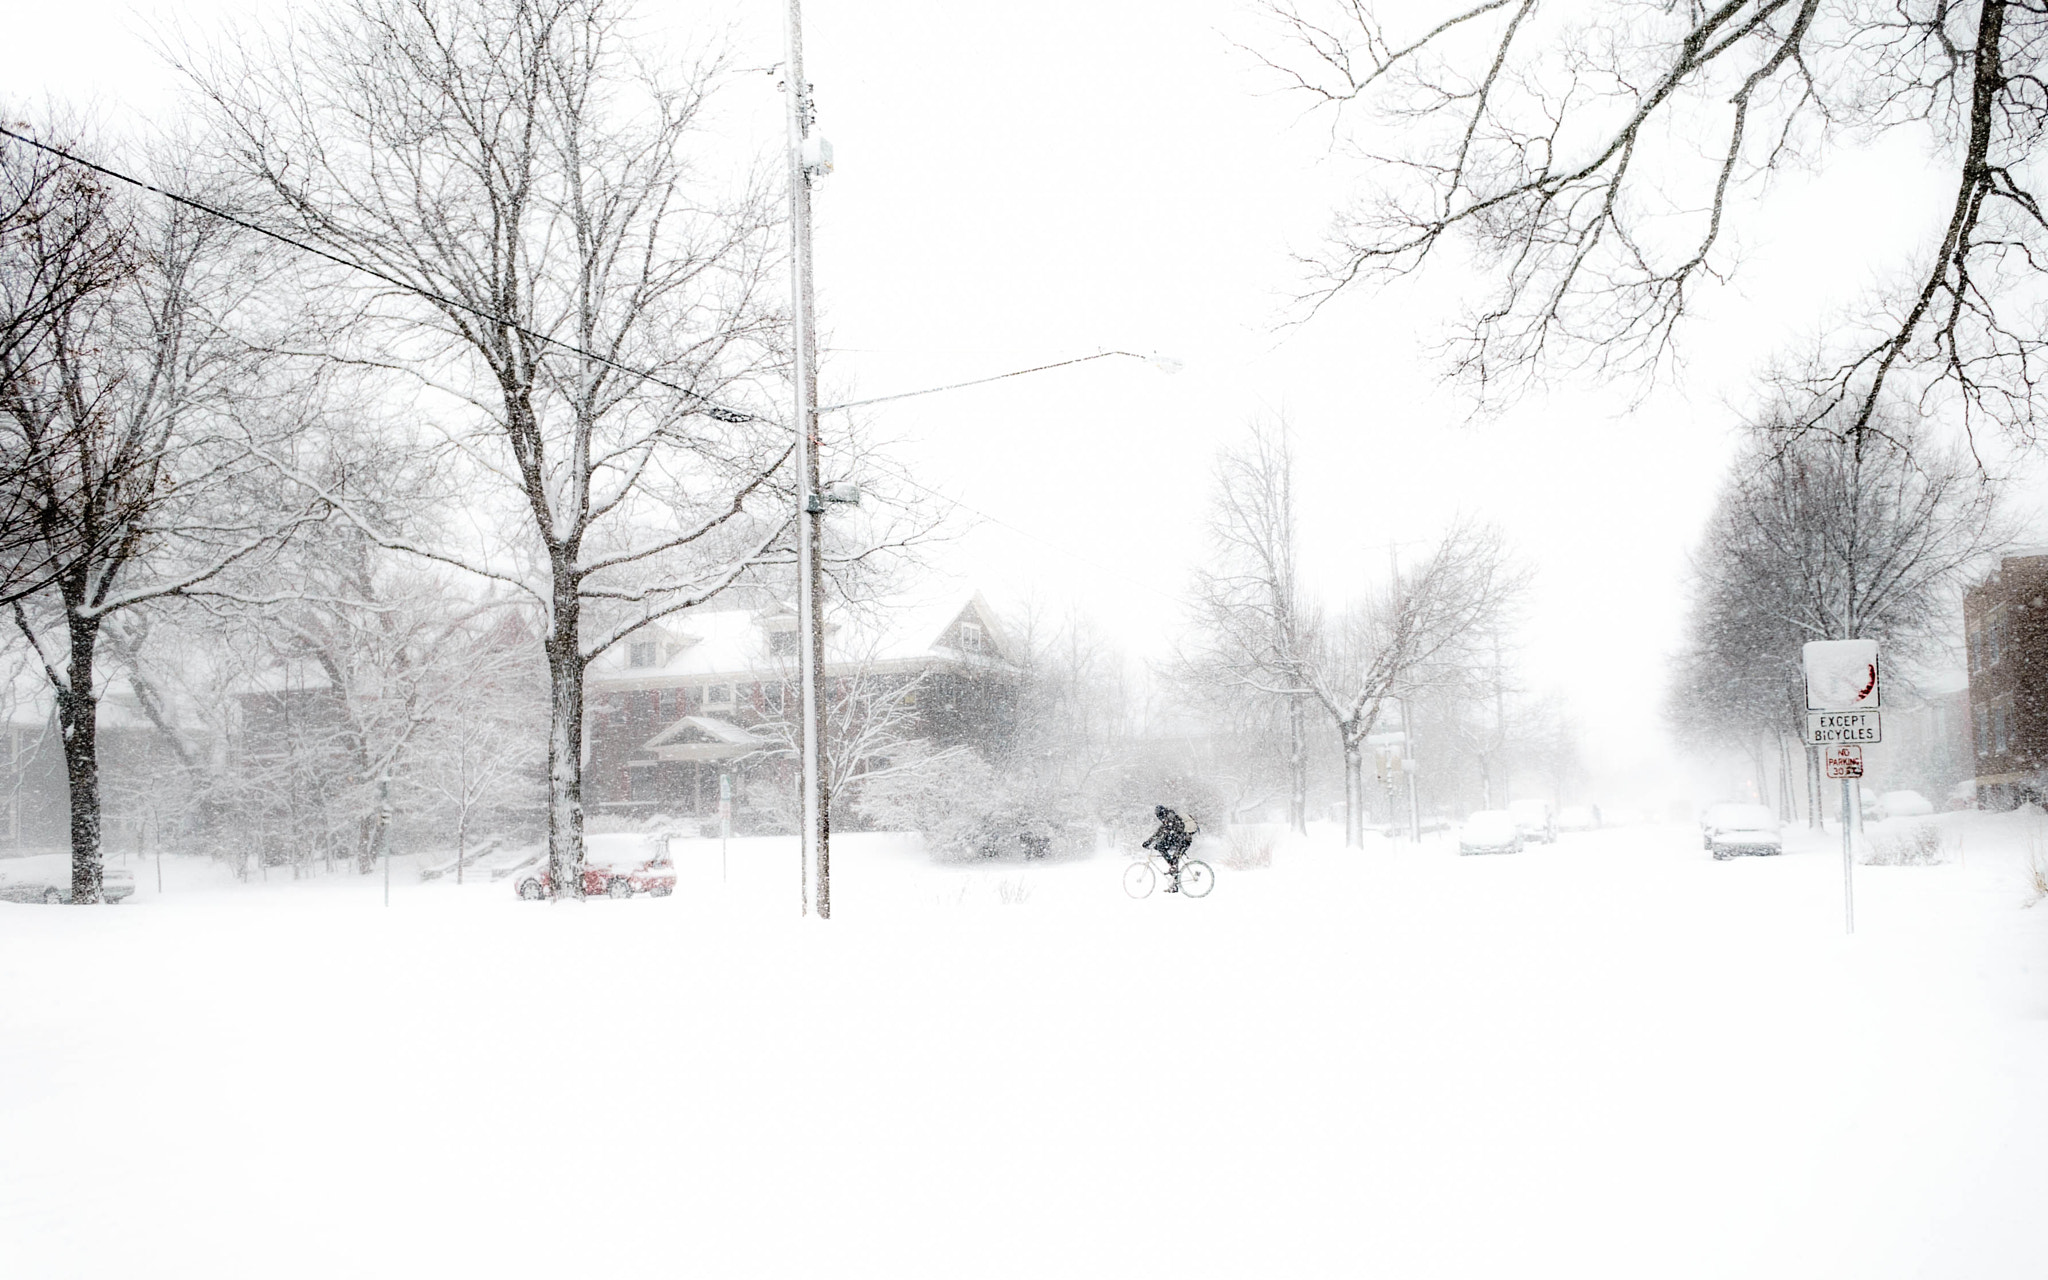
x: 1744, y: 817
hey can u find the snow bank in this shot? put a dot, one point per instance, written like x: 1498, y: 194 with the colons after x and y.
x: 1607, y: 1057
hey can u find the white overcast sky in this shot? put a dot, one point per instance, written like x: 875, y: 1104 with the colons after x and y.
x: 1024, y: 183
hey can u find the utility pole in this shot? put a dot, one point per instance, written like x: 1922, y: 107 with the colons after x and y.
x: 810, y: 500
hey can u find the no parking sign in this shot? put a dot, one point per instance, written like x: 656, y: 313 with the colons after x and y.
x: 1844, y: 761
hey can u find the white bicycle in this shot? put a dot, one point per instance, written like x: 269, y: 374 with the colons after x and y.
x: 1141, y: 878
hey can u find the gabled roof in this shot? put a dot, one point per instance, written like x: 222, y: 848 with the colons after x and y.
x: 695, y: 729
x: 701, y: 738
x: 706, y: 644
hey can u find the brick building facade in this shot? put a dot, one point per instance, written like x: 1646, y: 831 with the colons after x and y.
x: 2005, y: 624
x: 706, y: 701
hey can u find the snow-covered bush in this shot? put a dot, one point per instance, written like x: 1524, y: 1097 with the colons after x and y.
x: 1013, y: 893
x: 964, y: 809
x: 1247, y: 847
x: 1915, y: 845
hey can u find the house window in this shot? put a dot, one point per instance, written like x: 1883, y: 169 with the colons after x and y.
x: 1976, y: 646
x: 643, y: 653
x: 1993, y: 637
x: 2001, y: 728
x: 782, y: 644
x: 717, y: 695
x: 1981, y: 718
x: 771, y: 696
x: 971, y: 640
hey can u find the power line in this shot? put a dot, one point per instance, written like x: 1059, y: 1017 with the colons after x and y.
x: 712, y: 408
x: 975, y: 382
x: 1076, y: 556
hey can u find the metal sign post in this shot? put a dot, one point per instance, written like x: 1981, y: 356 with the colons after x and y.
x: 724, y: 819
x: 1848, y: 864
x: 1842, y: 701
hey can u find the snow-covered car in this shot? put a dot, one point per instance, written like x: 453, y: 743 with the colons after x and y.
x: 1534, y: 819
x: 1740, y: 829
x: 47, y: 878
x: 617, y: 866
x: 1715, y: 816
x: 1490, y: 831
x: 1576, y: 817
x: 1903, y: 804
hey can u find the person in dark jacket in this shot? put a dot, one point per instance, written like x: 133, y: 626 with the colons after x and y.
x: 1170, y: 842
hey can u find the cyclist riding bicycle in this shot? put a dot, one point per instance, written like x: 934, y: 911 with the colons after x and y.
x: 1170, y: 842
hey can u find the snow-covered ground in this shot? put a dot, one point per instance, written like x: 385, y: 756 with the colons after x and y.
x: 1609, y: 1057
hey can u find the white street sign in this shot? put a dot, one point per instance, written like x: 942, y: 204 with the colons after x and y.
x: 1825, y: 728
x: 1844, y: 761
x: 1841, y: 675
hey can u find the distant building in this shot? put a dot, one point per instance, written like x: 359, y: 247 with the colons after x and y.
x: 1926, y: 745
x: 711, y: 695
x: 35, y: 798
x: 2005, y: 624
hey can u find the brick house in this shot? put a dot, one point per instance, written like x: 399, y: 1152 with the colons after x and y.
x: 711, y: 694
x: 2005, y: 624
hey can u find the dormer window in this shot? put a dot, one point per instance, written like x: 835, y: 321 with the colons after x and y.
x: 782, y: 644
x: 971, y: 638
x: 643, y: 653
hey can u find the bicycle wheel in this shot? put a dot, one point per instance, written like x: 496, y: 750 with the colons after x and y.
x: 1140, y: 879
x: 1196, y: 879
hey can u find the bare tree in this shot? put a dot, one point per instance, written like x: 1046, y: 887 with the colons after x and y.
x: 558, y: 266
x: 132, y: 411
x: 1078, y: 721
x: 1823, y: 535
x: 1602, y: 160
x: 63, y: 243
x: 483, y: 747
x: 1420, y: 626
x: 873, y: 728
x: 1251, y: 624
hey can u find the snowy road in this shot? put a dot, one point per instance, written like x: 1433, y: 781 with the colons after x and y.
x: 1612, y: 1057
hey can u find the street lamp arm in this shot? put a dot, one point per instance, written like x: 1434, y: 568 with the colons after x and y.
x: 1165, y: 363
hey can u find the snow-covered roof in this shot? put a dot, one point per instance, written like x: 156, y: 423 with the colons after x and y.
x: 707, y: 727
x: 283, y: 677
x: 702, y: 738
x: 30, y: 704
x: 713, y: 643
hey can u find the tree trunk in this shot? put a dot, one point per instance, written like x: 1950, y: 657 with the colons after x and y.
x: 1788, y: 808
x: 1297, y: 766
x: 380, y: 826
x: 1813, y: 796
x: 78, y: 725
x: 565, y: 739
x: 1354, y: 794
